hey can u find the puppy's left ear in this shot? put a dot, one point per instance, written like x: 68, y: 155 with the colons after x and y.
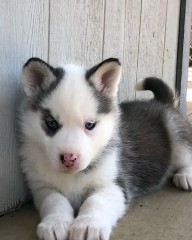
x: 105, y: 77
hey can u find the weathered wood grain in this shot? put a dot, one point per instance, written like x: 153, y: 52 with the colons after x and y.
x: 76, y: 31
x: 171, y: 43
x: 151, y: 40
x: 132, y: 25
x: 122, y: 25
x: 24, y: 33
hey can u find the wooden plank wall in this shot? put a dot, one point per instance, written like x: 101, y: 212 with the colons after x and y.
x: 24, y: 33
x: 141, y: 33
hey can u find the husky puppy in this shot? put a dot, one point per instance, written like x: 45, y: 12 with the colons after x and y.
x: 86, y: 157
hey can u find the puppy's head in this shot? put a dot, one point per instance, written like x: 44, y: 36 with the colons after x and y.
x: 71, y: 113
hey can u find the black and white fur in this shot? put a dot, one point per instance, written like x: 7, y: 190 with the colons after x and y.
x: 133, y: 149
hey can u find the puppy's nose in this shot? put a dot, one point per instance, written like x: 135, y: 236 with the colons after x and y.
x: 68, y: 159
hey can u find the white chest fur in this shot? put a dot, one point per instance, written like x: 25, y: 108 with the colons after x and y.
x: 73, y: 186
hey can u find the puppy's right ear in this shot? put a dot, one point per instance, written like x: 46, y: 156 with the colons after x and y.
x: 37, y: 75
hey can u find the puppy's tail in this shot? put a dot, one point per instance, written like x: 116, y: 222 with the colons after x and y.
x: 160, y: 89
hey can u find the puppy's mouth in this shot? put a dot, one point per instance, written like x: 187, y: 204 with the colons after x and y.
x: 69, y: 170
x: 74, y: 168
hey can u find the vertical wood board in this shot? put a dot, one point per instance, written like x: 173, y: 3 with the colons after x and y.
x: 171, y: 43
x: 151, y: 40
x: 76, y: 31
x: 24, y: 26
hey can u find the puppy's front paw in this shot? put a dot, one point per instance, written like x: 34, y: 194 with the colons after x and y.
x: 88, y: 228
x: 183, y: 180
x: 53, y: 227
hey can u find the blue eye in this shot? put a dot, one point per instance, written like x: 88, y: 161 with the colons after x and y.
x: 90, y: 125
x: 51, y: 123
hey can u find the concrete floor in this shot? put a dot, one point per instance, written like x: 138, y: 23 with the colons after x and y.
x: 165, y: 215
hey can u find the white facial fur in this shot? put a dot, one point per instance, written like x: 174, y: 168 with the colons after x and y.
x: 72, y: 103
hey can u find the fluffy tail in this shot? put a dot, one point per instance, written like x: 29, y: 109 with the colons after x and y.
x: 160, y: 89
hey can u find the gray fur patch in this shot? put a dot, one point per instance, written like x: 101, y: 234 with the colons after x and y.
x: 44, y: 114
x: 106, y: 105
x: 179, y: 126
x: 145, y: 149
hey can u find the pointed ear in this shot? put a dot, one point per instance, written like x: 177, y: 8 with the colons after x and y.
x: 37, y: 75
x: 106, y: 76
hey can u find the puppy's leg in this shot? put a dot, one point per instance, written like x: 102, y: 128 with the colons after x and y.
x: 180, y: 132
x: 183, y: 165
x: 98, y: 214
x: 56, y: 214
